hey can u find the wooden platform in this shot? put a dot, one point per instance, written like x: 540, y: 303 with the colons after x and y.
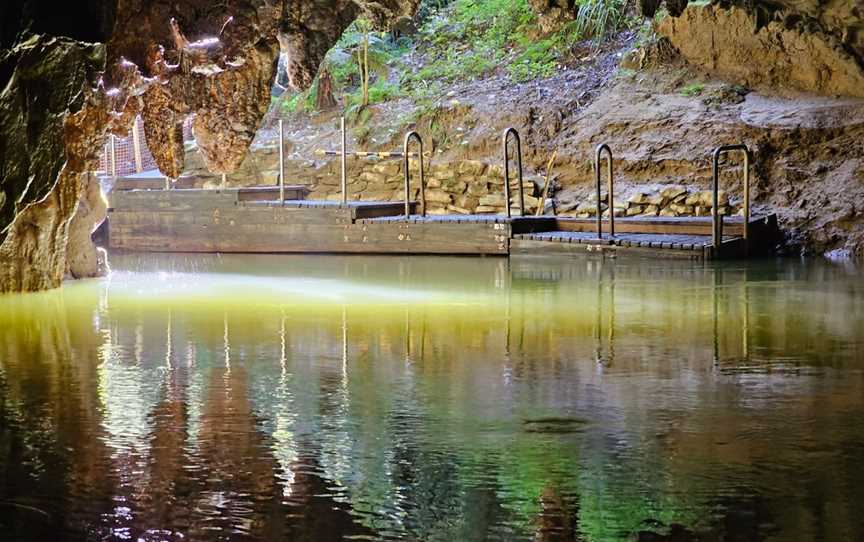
x: 252, y: 220
x: 696, y: 247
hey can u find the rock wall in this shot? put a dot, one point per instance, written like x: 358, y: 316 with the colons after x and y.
x: 781, y: 55
x: 452, y: 186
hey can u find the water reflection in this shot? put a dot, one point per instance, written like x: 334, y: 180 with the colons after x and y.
x: 274, y: 398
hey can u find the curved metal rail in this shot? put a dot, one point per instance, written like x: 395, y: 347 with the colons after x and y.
x: 504, y: 140
x: 408, y: 137
x: 611, y: 196
x: 716, y: 218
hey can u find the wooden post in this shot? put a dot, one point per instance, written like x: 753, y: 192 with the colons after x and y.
x: 136, y: 145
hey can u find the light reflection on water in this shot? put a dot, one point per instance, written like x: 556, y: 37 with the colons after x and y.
x: 274, y: 398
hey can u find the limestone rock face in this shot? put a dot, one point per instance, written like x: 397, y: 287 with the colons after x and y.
x: 83, y: 259
x: 72, y: 72
x: 51, y: 126
x: 778, y: 55
x: 310, y: 27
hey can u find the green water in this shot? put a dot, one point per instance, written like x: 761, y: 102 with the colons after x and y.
x: 319, y: 398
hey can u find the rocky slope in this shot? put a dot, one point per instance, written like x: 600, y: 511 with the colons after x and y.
x: 70, y: 73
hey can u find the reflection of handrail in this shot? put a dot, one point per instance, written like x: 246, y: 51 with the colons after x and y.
x: 610, y: 200
x: 408, y: 137
x: 716, y: 218
x: 504, y: 140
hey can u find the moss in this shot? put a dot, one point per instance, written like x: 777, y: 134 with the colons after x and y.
x: 693, y: 89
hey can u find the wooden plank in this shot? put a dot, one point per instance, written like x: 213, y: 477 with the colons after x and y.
x: 276, y: 229
x: 521, y: 246
x: 271, y: 193
x: 177, y: 200
x: 384, y: 209
x: 658, y: 225
x: 434, y: 238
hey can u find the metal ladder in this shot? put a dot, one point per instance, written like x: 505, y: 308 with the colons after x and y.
x: 505, y: 139
x: 716, y: 218
x: 603, y: 147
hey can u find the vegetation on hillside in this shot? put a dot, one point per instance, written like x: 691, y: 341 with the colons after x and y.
x: 455, y: 41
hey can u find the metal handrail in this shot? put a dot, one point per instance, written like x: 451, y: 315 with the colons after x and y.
x: 504, y: 140
x: 716, y: 219
x: 344, y: 162
x: 610, y: 198
x: 408, y: 137
x: 281, y: 163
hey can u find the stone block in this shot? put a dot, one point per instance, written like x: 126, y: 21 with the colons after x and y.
x: 590, y: 208
x: 455, y: 187
x: 657, y: 200
x: 388, y: 169
x: 478, y: 188
x: 638, y: 198
x: 471, y: 167
x: 458, y: 210
x: 467, y: 202
x: 376, y: 195
x: 672, y: 192
x: 682, y: 209
x: 706, y: 198
x: 373, y: 177
x: 438, y: 196
x: 496, y: 200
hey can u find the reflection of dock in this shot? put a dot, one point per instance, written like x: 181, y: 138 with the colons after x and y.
x: 255, y: 220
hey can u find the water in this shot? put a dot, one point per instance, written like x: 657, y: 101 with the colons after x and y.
x: 318, y: 398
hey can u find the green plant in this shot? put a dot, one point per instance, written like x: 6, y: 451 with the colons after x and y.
x: 693, y: 89
x: 539, y: 59
x: 597, y: 18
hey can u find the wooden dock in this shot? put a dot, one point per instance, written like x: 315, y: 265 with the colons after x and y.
x: 254, y: 220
